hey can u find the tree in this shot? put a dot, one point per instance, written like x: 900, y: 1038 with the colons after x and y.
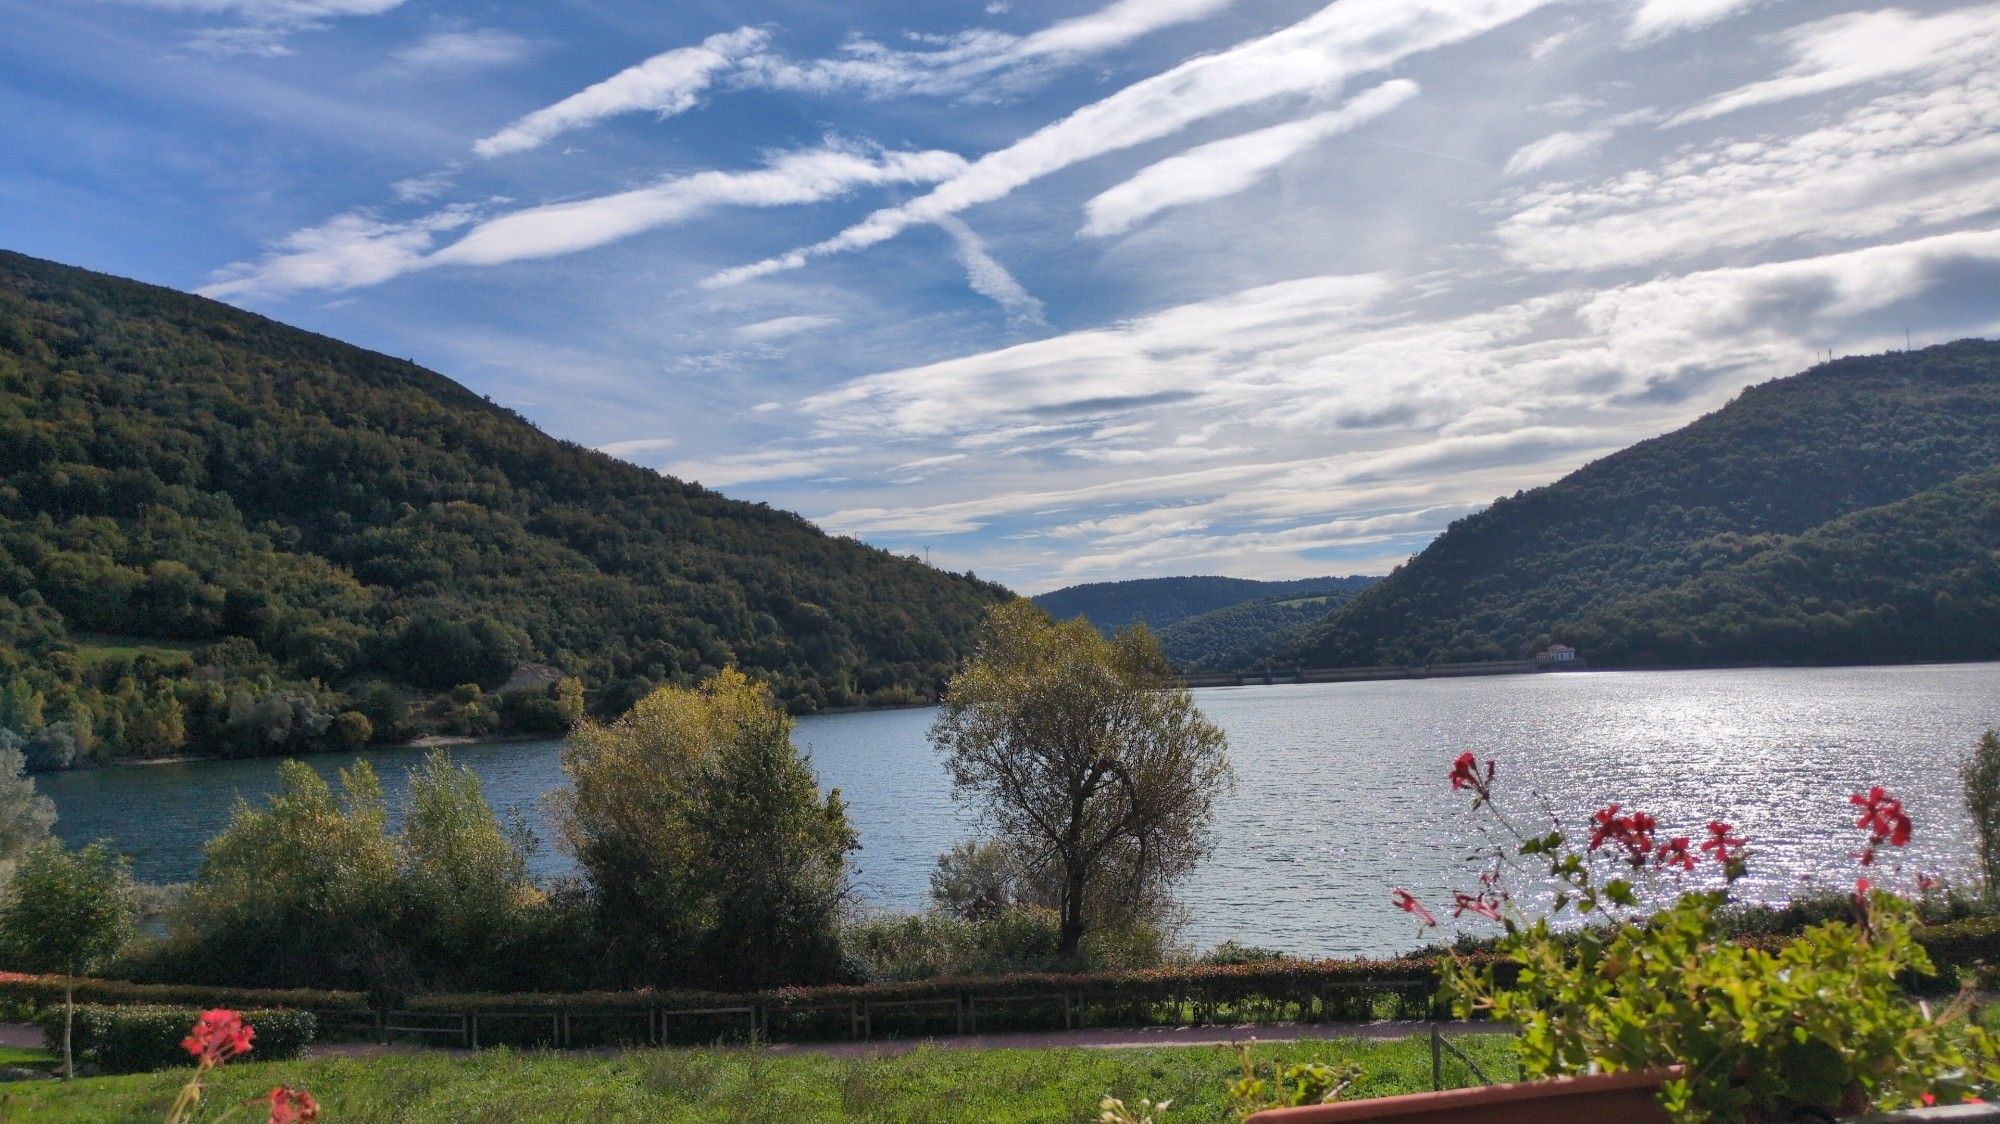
x: 465, y: 876
x: 708, y: 848
x: 68, y: 912
x: 777, y: 852
x: 1981, y: 777
x: 1084, y: 752
x: 25, y: 817
x: 302, y: 892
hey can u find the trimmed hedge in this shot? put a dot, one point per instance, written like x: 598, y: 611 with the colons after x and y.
x: 1261, y: 990
x: 141, y: 1038
x: 49, y: 989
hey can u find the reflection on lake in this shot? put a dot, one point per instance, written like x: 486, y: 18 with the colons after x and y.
x: 1340, y: 787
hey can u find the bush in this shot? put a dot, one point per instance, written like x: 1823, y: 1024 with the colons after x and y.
x: 143, y: 1039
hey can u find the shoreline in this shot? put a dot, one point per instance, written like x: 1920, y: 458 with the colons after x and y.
x: 451, y: 741
x: 1510, y: 667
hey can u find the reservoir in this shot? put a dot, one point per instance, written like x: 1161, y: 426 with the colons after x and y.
x: 1341, y: 789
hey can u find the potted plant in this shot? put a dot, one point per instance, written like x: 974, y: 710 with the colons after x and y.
x: 1637, y: 1015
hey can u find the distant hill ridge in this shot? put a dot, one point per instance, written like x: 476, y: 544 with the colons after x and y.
x: 1164, y: 602
x: 304, y: 514
x: 1848, y: 513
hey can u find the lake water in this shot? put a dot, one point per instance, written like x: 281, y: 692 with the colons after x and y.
x: 1340, y: 788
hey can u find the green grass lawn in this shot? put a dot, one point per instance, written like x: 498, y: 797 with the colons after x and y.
x: 14, y: 1055
x: 929, y: 1084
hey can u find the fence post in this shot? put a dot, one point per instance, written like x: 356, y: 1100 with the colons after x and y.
x: 1437, y: 1061
x: 475, y: 1030
x: 382, y: 1025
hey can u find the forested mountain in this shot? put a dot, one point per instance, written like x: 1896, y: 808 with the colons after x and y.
x: 1846, y: 513
x: 1242, y: 637
x: 220, y: 531
x: 1164, y: 602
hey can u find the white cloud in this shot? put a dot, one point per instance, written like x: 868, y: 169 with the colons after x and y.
x: 967, y: 62
x: 1507, y: 397
x: 1554, y: 149
x: 1904, y: 161
x: 989, y: 278
x: 671, y: 82
x: 1225, y: 167
x: 351, y: 249
x: 1312, y: 57
x: 636, y: 445
x: 453, y: 51
x: 1657, y: 19
x: 797, y: 177
x: 666, y: 84
x: 763, y: 465
x: 1861, y: 47
x: 274, y: 11
x: 360, y: 249
x: 255, y: 42
x: 271, y: 23
x: 424, y: 188
x: 781, y: 327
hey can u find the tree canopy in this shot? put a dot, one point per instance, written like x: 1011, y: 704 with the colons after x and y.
x: 220, y: 534
x: 1843, y: 514
x: 1083, y: 754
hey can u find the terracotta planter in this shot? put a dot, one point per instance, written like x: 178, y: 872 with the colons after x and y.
x: 1613, y: 1098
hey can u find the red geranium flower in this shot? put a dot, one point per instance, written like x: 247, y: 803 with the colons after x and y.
x: 1412, y: 906
x: 1631, y: 833
x: 1882, y: 818
x: 1480, y: 904
x: 1465, y: 773
x: 1722, y: 843
x: 292, y: 1106
x: 1675, y: 853
x: 218, y: 1036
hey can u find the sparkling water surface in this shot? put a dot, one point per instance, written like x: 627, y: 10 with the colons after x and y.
x: 1340, y: 788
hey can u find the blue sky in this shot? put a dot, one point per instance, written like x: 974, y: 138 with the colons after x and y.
x: 1057, y: 291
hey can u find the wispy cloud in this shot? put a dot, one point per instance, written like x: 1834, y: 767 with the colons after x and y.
x: 1225, y: 167
x: 457, y: 51
x: 1905, y: 160
x: 973, y: 60
x: 1657, y: 19
x: 671, y: 82
x: 636, y: 445
x: 360, y: 249
x: 792, y: 178
x: 782, y: 327
x: 668, y: 83
x: 268, y: 24
x: 1862, y: 47
x: 1616, y: 363
x: 348, y: 250
x: 1315, y: 56
x: 1554, y: 149
x: 989, y: 278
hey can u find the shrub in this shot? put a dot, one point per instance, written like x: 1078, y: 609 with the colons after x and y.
x: 146, y: 1038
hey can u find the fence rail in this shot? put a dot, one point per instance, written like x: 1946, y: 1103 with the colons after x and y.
x: 563, y: 1025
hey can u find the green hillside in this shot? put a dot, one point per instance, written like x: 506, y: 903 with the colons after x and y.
x: 1817, y: 517
x: 1164, y: 602
x: 1241, y: 637
x: 1918, y: 579
x: 204, y: 513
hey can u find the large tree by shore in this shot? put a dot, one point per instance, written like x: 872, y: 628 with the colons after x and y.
x: 1085, y: 753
